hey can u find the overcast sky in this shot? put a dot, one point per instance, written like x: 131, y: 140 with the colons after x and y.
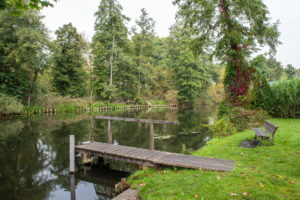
x: 81, y: 14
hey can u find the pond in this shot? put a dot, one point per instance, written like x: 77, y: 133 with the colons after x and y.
x: 34, y: 156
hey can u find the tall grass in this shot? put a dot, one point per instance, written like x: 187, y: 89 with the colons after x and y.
x: 286, y: 98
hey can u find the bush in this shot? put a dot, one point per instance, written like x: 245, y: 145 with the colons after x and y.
x: 237, y: 119
x: 222, y: 127
x: 261, y: 94
x: 243, y: 119
x: 9, y: 105
x: 171, y: 96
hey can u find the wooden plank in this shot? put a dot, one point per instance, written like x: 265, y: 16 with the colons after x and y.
x: 152, y: 158
x: 136, y: 120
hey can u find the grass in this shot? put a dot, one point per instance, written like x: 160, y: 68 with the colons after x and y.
x: 264, y: 172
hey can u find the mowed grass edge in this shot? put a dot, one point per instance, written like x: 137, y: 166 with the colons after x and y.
x: 264, y: 172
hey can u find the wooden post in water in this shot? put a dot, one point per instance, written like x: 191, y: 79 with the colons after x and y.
x: 72, y: 154
x: 109, y: 133
x: 72, y: 186
x: 151, y: 136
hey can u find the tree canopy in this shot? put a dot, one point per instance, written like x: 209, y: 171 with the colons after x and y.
x: 230, y: 31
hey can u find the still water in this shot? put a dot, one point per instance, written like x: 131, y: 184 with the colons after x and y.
x: 34, y: 157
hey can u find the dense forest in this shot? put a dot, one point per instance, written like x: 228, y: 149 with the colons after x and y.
x: 125, y: 64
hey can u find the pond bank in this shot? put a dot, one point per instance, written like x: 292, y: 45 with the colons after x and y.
x: 264, y: 172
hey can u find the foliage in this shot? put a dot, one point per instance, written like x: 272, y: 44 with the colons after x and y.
x: 276, y: 67
x: 264, y: 172
x: 24, y: 47
x: 261, y: 67
x: 191, y: 72
x: 232, y: 30
x: 110, y: 43
x: 143, y: 44
x: 290, y: 71
x: 216, y: 90
x: 172, y: 96
x: 68, y: 73
x: 222, y: 127
x: 286, y: 98
x: 243, y: 119
x: 261, y: 94
x: 9, y: 105
x: 18, y: 7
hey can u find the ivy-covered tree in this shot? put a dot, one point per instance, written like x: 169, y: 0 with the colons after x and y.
x: 143, y: 40
x: 68, y: 73
x: 231, y: 31
x: 290, y: 71
x: 24, y: 53
x: 191, y: 74
x: 109, y: 42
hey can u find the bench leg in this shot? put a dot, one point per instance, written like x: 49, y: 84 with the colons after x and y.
x: 255, y: 138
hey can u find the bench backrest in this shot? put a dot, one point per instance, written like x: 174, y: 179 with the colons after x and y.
x: 271, y: 128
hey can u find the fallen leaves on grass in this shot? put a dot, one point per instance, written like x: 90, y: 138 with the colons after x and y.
x: 291, y: 182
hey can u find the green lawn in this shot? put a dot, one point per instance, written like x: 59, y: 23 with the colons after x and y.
x: 264, y: 172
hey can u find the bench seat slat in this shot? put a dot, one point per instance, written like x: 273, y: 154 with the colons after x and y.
x: 260, y: 132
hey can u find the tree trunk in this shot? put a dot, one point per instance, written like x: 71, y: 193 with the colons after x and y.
x: 32, y: 84
x: 139, y: 73
x: 111, y: 61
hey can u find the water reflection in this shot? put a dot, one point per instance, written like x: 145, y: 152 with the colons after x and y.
x: 34, y: 151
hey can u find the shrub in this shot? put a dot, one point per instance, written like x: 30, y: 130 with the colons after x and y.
x: 261, y: 94
x: 222, y: 127
x: 9, y: 105
x: 237, y: 119
x: 171, y: 96
x: 243, y: 119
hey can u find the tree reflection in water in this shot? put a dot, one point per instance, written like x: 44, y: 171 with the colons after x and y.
x: 34, y: 151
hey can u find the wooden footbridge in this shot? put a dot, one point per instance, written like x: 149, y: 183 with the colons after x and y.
x: 153, y: 158
x: 144, y: 157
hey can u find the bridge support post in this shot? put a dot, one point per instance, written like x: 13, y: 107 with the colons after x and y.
x: 151, y: 136
x: 72, y: 154
x: 109, y: 133
x: 72, y: 186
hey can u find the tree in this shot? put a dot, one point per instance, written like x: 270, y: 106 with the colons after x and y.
x: 230, y: 31
x: 24, y: 50
x: 276, y: 68
x: 192, y: 78
x: 290, y: 71
x: 68, y: 73
x: 17, y: 7
x: 143, y: 42
x: 261, y: 67
x: 109, y: 43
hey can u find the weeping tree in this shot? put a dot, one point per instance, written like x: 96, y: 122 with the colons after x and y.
x: 231, y: 30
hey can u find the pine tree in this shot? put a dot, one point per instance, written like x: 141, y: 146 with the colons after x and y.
x: 191, y: 73
x: 109, y: 43
x: 143, y: 40
x: 68, y: 73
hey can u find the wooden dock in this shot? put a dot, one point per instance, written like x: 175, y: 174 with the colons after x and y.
x: 153, y: 158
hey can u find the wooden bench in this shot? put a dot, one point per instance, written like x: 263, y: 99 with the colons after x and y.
x: 270, y: 129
